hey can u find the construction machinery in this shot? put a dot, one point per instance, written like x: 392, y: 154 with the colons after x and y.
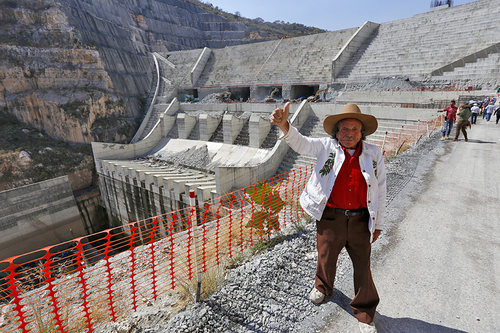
x: 271, y: 99
x: 317, y: 96
x: 224, y: 97
x: 190, y: 98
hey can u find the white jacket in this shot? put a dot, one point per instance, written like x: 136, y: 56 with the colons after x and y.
x: 317, y: 191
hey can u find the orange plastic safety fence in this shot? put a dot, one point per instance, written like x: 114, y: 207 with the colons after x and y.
x: 394, y: 142
x: 80, y: 285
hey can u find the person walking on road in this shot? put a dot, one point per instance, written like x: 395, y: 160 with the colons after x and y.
x: 489, y: 110
x: 497, y: 112
x: 463, y: 115
x: 474, y: 112
x: 449, y: 119
x: 346, y: 195
x: 483, y: 107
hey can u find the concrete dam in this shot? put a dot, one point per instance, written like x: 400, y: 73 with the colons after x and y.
x: 207, y: 126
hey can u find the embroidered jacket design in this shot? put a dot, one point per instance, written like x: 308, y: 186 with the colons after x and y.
x: 328, y: 165
x: 375, y: 168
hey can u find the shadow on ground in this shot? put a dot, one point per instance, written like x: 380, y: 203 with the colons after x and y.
x: 387, y: 324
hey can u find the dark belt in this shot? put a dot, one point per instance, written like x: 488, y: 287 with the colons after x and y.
x: 351, y: 212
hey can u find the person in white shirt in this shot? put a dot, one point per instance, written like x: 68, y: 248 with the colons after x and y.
x: 489, y: 110
x: 346, y: 195
x: 474, y: 112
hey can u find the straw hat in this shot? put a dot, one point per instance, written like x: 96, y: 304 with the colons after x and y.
x: 351, y: 111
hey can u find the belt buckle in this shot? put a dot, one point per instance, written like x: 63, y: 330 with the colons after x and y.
x: 347, y: 212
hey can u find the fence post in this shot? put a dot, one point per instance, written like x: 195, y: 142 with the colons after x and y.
x: 194, y: 225
x: 383, y: 142
x: 49, y: 279
x: 399, y: 139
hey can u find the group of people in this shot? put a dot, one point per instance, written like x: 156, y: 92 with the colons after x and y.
x: 487, y: 107
x: 465, y: 115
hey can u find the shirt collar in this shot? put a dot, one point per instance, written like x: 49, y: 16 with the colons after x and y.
x: 358, y: 150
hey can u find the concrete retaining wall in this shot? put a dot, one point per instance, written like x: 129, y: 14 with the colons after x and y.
x: 200, y: 64
x: 407, y: 97
x: 352, y: 46
x: 38, y: 215
x: 379, y: 111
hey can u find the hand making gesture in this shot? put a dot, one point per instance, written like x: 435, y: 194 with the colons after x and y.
x: 279, y: 117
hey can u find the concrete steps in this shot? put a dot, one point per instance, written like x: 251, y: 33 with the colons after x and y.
x: 244, y: 137
x: 308, y: 59
x: 271, y: 138
x: 174, y: 68
x: 481, y: 68
x: 174, y: 132
x: 413, y: 47
x: 195, y: 132
x: 218, y: 135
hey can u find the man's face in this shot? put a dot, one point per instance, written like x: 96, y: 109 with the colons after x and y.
x: 349, y: 133
x: 452, y: 104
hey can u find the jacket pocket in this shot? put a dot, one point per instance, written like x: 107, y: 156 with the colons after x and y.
x: 314, y: 193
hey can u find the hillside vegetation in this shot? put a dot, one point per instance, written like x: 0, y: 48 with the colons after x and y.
x: 273, y: 30
x: 28, y: 155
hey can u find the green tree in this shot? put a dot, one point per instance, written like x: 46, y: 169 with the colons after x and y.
x: 265, y: 219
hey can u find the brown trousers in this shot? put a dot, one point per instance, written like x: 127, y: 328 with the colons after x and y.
x: 461, y: 126
x: 335, y: 230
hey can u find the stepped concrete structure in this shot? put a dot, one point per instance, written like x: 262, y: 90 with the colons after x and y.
x: 207, y: 126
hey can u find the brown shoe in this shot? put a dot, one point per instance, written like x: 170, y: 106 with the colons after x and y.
x: 454, y: 140
x: 466, y: 140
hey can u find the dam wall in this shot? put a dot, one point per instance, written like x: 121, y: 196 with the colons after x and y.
x: 38, y: 215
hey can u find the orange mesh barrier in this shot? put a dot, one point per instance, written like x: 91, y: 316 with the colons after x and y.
x: 80, y: 285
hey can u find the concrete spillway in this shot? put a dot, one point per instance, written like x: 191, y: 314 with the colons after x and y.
x: 395, y: 71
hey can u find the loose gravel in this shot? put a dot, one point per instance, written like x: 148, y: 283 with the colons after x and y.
x: 269, y: 292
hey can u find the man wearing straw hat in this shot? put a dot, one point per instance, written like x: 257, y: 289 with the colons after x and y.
x: 346, y: 195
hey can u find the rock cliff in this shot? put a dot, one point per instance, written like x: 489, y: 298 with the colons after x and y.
x: 81, y: 69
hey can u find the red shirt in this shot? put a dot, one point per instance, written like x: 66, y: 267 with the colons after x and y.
x: 349, y: 190
x: 451, y: 112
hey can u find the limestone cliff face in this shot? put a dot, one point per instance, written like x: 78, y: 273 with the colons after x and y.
x: 52, y: 81
x: 81, y: 69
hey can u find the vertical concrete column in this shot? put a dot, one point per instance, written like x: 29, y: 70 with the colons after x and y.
x: 258, y: 130
x: 203, y: 193
x: 286, y: 91
x: 123, y: 173
x: 253, y: 92
x: 185, y: 124
x: 108, y: 169
x: 231, y: 127
x: 166, y: 124
x: 208, y: 125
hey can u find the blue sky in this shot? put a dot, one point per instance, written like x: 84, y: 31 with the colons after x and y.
x: 328, y: 14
